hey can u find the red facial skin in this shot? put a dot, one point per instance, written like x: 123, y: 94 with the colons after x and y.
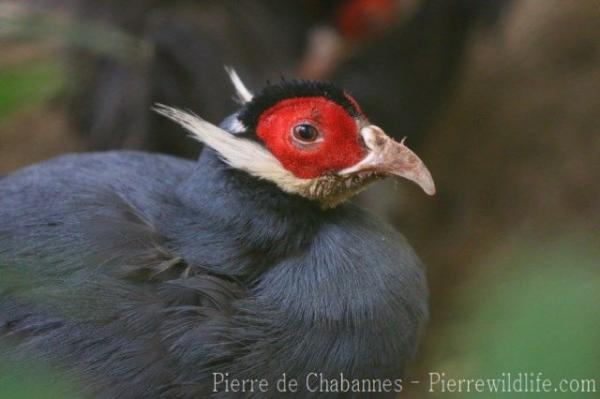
x: 340, y: 146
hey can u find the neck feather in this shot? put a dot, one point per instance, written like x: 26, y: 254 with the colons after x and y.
x: 249, y: 217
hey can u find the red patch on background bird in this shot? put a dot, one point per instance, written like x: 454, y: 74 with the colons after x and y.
x: 357, y: 19
x: 338, y: 146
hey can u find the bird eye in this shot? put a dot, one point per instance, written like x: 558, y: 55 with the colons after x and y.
x: 305, y: 133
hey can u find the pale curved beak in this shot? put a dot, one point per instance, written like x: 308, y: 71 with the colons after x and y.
x: 393, y: 158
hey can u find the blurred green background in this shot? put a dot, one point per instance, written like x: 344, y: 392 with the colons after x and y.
x: 34, y: 381
x: 511, y: 242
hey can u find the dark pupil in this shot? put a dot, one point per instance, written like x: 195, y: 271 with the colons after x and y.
x: 305, y: 132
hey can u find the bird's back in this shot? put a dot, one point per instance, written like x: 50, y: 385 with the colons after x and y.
x: 54, y: 186
x: 77, y: 242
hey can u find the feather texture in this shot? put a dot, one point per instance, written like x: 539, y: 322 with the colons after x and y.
x: 146, y: 274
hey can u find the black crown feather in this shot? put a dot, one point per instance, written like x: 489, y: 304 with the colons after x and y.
x: 273, y: 93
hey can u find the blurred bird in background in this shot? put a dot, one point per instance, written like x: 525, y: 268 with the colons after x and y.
x: 406, y: 52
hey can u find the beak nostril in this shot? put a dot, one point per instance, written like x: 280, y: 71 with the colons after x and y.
x: 374, y: 137
x: 379, y: 140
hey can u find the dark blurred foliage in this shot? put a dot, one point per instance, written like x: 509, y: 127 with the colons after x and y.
x: 181, y: 47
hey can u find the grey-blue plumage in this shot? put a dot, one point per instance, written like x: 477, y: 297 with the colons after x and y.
x: 140, y: 275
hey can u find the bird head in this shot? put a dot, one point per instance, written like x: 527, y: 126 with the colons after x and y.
x: 308, y: 138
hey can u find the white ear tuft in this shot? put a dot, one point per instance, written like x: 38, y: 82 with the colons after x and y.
x: 238, y: 152
x: 243, y: 93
